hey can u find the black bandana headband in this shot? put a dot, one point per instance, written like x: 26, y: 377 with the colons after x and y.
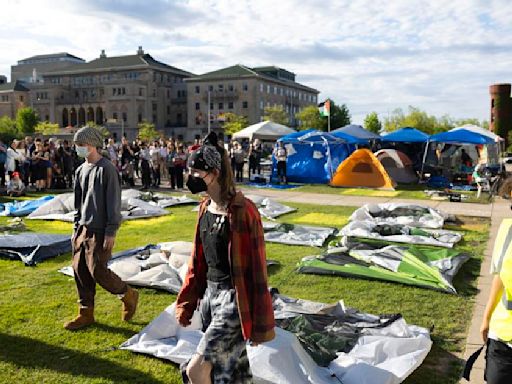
x: 208, y: 156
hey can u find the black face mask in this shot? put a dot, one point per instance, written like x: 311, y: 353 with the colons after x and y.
x: 196, y: 184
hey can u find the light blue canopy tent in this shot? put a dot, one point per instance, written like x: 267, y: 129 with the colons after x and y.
x: 313, y: 156
x: 406, y: 135
x: 362, y: 135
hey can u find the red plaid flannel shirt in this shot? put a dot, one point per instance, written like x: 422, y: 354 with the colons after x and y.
x: 248, y: 271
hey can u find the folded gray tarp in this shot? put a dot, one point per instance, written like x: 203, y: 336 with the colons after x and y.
x: 324, y: 344
x: 292, y: 234
x: 401, y: 234
x: 32, y: 248
x: 132, y: 207
x: 404, y: 214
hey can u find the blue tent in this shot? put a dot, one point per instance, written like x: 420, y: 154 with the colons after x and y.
x: 461, y: 136
x: 406, y: 135
x: 312, y: 156
x: 362, y: 135
x: 23, y: 207
x: 349, y: 139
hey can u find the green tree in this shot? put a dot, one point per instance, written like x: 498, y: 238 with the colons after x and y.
x: 309, y: 118
x: 418, y: 119
x: 26, y: 120
x: 147, y: 131
x: 340, y: 116
x: 276, y: 114
x: 46, y: 128
x: 372, y: 122
x: 234, y: 123
x: 8, y: 130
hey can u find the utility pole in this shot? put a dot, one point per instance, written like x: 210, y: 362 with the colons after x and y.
x: 209, y: 109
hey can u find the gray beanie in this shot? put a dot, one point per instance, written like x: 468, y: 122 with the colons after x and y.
x: 89, y: 135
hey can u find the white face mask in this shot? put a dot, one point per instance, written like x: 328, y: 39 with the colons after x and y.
x: 82, y: 151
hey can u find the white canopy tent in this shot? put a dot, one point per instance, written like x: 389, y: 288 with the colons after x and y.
x: 266, y: 130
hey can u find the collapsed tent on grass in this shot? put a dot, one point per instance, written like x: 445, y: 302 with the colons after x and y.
x: 292, y: 234
x: 401, y: 234
x: 315, y: 343
x: 23, y: 207
x: 425, y: 267
x: 312, y: 156
x: 362, y: 169
x: 159, y: 266
x: 32, y: 248
x: 62, y: 207
x: 398, y: 166
x: 399, y: 213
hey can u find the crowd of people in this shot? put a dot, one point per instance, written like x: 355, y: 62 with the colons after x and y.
x: 41, y: 164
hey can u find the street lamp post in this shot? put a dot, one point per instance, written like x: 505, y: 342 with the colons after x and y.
x: 209, y: 109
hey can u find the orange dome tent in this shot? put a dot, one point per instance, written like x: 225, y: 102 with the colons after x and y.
x: 362, y: 169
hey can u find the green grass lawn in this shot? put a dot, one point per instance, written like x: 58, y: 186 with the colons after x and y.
x: 415, y: 192
x: 35, y: 301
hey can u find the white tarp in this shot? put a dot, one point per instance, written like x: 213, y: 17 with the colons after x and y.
x: 265, y: 130
x: 399, y: 213
x: 292, y: 234
x: 384, y: 355
x: 162, y: 266
x: 132, y: 207
x: 401, y: 234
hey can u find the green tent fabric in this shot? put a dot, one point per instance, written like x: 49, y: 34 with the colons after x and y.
x: 425, y: 267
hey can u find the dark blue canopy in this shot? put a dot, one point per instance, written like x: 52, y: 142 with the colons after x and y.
x: 362, y: 135
x: 406, y: 135
x: 461, y: 136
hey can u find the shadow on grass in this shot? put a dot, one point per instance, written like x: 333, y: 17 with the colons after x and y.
x: 127, y: 333
x: 34, y: 354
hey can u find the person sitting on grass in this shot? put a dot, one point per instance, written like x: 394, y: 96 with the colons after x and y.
x: 15, y: 187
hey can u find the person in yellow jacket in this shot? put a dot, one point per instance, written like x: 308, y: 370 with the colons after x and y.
x: 496, y: 328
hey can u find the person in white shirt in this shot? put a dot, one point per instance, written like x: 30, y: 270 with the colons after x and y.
x: 12, y: 156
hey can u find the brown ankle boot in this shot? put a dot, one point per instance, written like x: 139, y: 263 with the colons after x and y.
x: 130, y: 300
x: 85, y: 317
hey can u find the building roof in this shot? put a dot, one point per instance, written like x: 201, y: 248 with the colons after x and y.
x: 118, y: 62
x: 51, y: 56
x: 15, y: 86
x: 239, y: 70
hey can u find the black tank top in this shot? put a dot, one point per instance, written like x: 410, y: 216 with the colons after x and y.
x: 214, y: 233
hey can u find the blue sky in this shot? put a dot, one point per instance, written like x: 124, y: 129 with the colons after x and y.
x: 372, y: 55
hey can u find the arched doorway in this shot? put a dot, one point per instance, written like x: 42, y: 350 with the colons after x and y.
x: 65, y: 117
x: 90, y: 114
x: 81, y: 116
x: 99, y: 116
x: 73, y: 117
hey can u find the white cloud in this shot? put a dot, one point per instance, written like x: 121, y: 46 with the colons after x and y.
x: 373, y: 55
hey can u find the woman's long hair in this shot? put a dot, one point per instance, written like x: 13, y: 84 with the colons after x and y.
x: 225, y: 179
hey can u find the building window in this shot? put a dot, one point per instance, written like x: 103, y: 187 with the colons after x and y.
x: 114, y: 92
x: 125, y: 117
x: 154, y: 92
x: 492, y: 103
x: 281, y: 91
x: 275, y: 90
x: 198, y: 106
x: 114, y: 115
x: 210, y: 88
x: 268, y: 88
x: 261, y: 104
x: 198, y: 89
x: 221, y: 87
x: 245, y: 87
x: 211, y: 106
x: 221, y: 106
x: 139, y: 118
x: 245, y: 104
x: 300, y: 96
x: 168, y: 109
x: 169, y: 93
x: 21, y: 98
x: 261, y: 87
x: 140, y: 91
x: 230, y: 105
x: 124, y: 91
x: 231, y: 88
x: 154, y: 107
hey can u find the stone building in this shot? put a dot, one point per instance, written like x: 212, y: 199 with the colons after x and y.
x: 244, y: 91
x: 13, y: 96
x: 30, y: 70
x: 118, y: 92
x: 501, y: 110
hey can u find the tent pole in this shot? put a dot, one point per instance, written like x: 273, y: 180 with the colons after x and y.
x: 329, y: 121
x: 424, y: 158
